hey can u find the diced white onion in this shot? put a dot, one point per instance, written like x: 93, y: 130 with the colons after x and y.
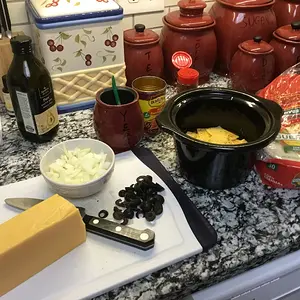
x: 78, y: 166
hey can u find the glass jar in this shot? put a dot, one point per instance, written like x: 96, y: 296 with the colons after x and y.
x: 187, y: 78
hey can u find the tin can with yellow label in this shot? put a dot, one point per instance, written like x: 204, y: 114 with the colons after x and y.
x: 152, y: 99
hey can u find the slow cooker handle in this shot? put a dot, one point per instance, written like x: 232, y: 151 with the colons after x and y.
x: 164, y: 122
x: 274, y: 107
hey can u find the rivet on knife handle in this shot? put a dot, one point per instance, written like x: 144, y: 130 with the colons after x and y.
x: 142, y: 239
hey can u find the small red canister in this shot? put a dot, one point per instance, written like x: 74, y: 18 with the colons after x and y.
x: 143, y: 54
x: 191, y: 30
x: 187, y: 78
x: 252, y: 66
x: 286, y: 11
x: 286, y: 44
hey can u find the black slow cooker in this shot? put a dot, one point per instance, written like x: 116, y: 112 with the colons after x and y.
x: 219, y: 166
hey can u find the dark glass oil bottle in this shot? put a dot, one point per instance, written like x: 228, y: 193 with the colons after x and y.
x: 31, y: 92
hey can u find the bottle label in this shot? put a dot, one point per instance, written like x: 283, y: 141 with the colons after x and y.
x: 26, y: 113
x: 46, y: 120
x: 8, y: 104
x: 45, y: 116
x: 151, y: 109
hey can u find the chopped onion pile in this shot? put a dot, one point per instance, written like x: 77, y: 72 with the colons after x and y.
x: 78, y: 166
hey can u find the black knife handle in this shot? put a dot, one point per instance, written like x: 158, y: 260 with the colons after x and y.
x: 141, y: 239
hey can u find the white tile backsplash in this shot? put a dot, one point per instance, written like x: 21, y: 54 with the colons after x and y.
x: 17, y: 12
x: 151, y: 20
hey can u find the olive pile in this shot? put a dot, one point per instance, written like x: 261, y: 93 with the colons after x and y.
x: 141, y: 199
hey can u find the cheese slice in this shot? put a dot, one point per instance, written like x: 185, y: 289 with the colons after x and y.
x: 36, y: 238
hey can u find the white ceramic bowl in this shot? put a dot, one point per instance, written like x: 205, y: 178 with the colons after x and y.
x: 77, y: 190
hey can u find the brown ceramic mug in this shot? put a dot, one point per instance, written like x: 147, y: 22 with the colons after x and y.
x: 119, y: 126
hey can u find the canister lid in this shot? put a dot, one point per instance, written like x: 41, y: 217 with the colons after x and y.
x: 190, y: 15
x: 72, y: 10
x: 256, y: 46
x: 140, y: 35
x: 246, y: 3
x: 289, y: 32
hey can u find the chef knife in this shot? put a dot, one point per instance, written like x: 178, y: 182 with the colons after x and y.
x: 5, y: 19
x: 141, y: 239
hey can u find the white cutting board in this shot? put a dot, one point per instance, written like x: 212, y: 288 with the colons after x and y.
x: 100, y: 265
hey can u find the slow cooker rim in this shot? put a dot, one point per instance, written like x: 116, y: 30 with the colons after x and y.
x: 264, y: 138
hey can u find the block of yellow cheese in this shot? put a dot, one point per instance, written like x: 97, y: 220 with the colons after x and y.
x: 36, y: 238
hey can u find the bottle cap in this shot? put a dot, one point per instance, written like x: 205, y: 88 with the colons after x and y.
x: 21, y: 44
x: 181, y: 59
x: 188, y: 76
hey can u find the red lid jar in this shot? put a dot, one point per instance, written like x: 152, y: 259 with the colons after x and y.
x: 187, y: 78
x: 252, y: 66
x: 286, y: 11
x: 238, y: 21
x: 286, y: 44
x: 143, y: 54
x: 191, y: 30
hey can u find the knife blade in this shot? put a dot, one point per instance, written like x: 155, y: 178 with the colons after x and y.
x: 141, y: 239
x: 5, y: 18
x: 0, y: 30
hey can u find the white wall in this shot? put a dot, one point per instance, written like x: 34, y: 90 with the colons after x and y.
x: 151, y: 20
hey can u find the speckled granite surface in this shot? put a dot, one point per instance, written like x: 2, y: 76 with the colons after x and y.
x: 255, y: 224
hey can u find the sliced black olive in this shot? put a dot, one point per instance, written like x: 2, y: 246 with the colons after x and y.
x: 103, y: 214
x: 151, y: 199
x: 137, y: 187
x: 148, y: 178
x: 129, y: 189
x: 122, y: 193
x: 128, y: 213
x: 117, y: 208
x: 146, y: 206
x: 136, y: 202
x: 158, y: 208
x: 150, y: 216
x: 125, y: 221
x: 151, y: 191
x: 139, y: 213
x: 129, y: 196
x: 160, y: 199
x: 120, y: 203
x: 118, y: 215
x: 140, y: 178
x: 159, y: 188
x: 132, y: 205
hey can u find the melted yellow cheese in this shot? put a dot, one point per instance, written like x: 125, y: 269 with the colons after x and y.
x: 216, y: 135
x: 36, y: 238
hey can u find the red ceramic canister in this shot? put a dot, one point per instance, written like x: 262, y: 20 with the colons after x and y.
x: 119, y: 126
x: 238, y: 21
x: 286, y: 11
x: 143, y: 53
x: 252, y: 66
x: 190, y: 30
x: 286, y: 44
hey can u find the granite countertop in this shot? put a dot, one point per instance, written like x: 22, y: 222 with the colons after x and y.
x: 255, y: 224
